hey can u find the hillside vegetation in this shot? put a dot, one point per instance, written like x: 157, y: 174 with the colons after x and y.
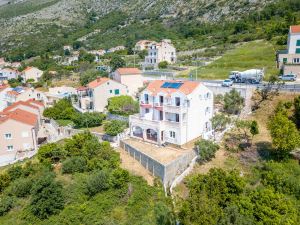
x: 190, y: 24
x: 256, y: 54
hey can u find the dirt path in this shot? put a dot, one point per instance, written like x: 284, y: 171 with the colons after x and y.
x: 134, y: 167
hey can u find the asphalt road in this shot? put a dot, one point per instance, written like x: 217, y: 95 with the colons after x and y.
x: 288, y: 86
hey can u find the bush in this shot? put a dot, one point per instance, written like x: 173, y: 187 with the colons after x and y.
x: 74, y: 165
x: 51, y: 153
x: 15, y: 172
x: 233, y: 102
x: 97, y: 182
x: 62, y: 110
x: 163, y: 65
x: 20, y: 187
x: 206, y: 149
x: 119, y: 178
x: 6, y: 203
x: 123, y: 105
x: 4, y: 181
x: 47, y: 198
x: 114, y: 127
x: 93, y: 119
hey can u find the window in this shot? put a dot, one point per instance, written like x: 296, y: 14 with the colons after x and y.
x: 177, y: 101
x: 107, y: 83
x: 296, y: 60
x: 110, y: 91
x: 284, y: 60
x: 8, y: 136
x: 117, y: 91
x: 146, y: 96
x: 177, y: 118
x: 297, y: 50
x: 172, y: 134
x: 298, y: 43
x: 25, y: 134
x: 10, y: 148
x: 147, y: 110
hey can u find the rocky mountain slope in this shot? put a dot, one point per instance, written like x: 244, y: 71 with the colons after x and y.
x: 23, y: 18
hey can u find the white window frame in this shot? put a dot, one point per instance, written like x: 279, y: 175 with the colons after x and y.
x: 10, y: 148
x: 6, y: 136
x: 172, y: 134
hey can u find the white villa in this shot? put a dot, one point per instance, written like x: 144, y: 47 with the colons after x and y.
x: 158, y: 52
x: 131, y: 77
x: 289, y: 60
x: 173, y: 112
x: 94, y: 97
x: 32, y: 73
x: 7, y: 74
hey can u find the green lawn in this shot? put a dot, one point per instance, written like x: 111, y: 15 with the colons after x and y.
x: 64, y: 122
x: 256, y: 54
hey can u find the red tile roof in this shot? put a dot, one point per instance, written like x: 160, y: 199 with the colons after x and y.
x: 99, y: 81
x: 82, y: 88
x: 186, y: 88
x: 14, y: 105
x: 12, y: 93
x: 295, y: 29
x: 20, y: 116
x: 35, y: 102
x: 128, y: 71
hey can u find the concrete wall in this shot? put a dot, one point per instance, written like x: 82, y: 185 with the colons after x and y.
x: 167, y: 173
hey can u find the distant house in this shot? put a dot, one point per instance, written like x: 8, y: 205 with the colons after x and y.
x: 117, y: 48
x: 32, y: 73
x: 16, y: 94
x: 16, y: 65
x: 31, y: 105
x: 131, y: 77
x: 173, y: 112
x: 159, y: 52
x: 56, y: 93
x: 7, y: 74
x: 143, y: 45
x: 18, y: 134
x: 94, y: 97
x: 67, y: 47
x: 289, y: 60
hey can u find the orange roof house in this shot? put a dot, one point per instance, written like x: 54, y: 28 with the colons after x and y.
x: 295, y: 29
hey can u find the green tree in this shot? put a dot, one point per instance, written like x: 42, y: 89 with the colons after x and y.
x: 91, y: 75
x: 6, y: 203
x: 20, y: 187
x: 87, y: 119
x: 119, y: 178
x: 116, y: 62
x: 220, y: 121
x: 77, y: 45
x: 142, y: 54
x: 51, y: 152
x: 285, y: 136
x: 297, y: 110
x: 254, y: 129
x: 164, y: 216
x: 163, y: 65
x: 47, y: 197
x: 74, y: 165
x: 97, y: 182
x: 114, y: 127
x: 206, y: 149
x: 122, y: 105
x: 233, y: 102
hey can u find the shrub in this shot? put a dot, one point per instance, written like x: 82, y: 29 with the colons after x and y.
x: 114, y: 127
x: 93, y: 119
x: 119, y: 178
x: 97, y: 182
x: 15, y: 172
x: 233, y: 102
x: 122, y: 105
x: 20, y: 187
x: 207, y: 149
x: 73, y: 165
x: 47, y: 198
x: 6, y: 203
x: 51, y: 152
x: 4, y: 181
x: 163, y: 65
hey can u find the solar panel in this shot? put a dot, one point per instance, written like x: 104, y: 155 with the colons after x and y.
x: 171, y: 85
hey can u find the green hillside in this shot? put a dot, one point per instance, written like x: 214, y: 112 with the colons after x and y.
x: 256, y: 54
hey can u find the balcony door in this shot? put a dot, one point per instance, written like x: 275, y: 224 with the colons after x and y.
x: 177, y: 101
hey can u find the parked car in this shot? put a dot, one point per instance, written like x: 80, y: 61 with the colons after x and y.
x: 227, y: 83
x: 288, y: 77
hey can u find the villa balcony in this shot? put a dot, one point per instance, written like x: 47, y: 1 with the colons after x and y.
x: 146, y: 105
x: 175, y: 109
